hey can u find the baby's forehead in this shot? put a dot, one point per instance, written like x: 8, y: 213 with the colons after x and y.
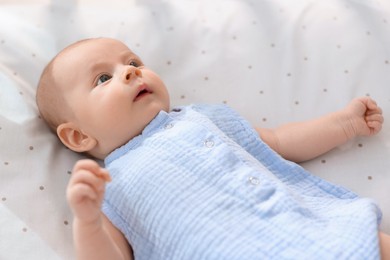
x: 90, y: 46
x: 92, y: 49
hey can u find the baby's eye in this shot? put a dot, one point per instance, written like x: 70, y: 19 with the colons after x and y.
x: 103, y: 78
x: 134, y: 63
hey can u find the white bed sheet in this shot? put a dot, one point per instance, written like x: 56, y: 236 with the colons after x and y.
x: 274, y: 61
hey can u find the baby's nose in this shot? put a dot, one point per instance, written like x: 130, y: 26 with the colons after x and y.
x: 131, y: 72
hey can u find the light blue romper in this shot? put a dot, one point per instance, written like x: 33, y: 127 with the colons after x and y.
x: 199, y: 183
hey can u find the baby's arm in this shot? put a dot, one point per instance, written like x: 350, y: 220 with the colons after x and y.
x: 94, y: 235
x: 303, y: 141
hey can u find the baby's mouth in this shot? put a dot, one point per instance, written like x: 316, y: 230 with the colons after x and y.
x: 143, y: 91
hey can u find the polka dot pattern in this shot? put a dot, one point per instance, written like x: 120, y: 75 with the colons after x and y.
x: 273, y: 61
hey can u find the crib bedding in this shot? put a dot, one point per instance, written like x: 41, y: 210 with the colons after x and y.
x: 272, y: 61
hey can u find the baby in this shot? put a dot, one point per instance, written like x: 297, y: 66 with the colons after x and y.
x: 197, y: 182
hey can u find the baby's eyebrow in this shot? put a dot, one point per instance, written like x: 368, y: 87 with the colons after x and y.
x: 128, y: 53
x: 102, y: 64
x: 97, y: 66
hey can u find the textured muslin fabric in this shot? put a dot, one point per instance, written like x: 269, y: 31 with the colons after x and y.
x: 199, y: 183
x: 273, y: 61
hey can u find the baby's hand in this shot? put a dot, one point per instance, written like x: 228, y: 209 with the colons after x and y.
x: 364, y: 117
x: 86, y: 190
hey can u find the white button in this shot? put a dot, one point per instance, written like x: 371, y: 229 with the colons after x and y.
x: 254, y: 180
x: 168, y: 126
x: 209, y: 143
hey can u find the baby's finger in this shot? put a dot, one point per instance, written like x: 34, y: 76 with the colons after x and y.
x: 374, y: 126
x: 80, y: 192
x: 104, y: 174
x: 376, y: 110
x: 86, y: 164
x: 375, y: 117
x: 369, y: 102
x: 93, y: 167
x: 88, y: 178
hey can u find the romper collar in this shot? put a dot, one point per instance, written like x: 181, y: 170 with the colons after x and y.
x: 155, y: 125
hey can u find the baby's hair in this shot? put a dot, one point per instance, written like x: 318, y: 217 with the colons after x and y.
x: 50, y: 100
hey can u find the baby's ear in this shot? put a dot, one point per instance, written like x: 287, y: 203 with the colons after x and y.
x: 73, y: 138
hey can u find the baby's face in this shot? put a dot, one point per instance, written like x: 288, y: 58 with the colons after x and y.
x: 112, y: 95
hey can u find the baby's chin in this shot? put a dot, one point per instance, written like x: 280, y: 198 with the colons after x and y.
x: 159, y: 106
